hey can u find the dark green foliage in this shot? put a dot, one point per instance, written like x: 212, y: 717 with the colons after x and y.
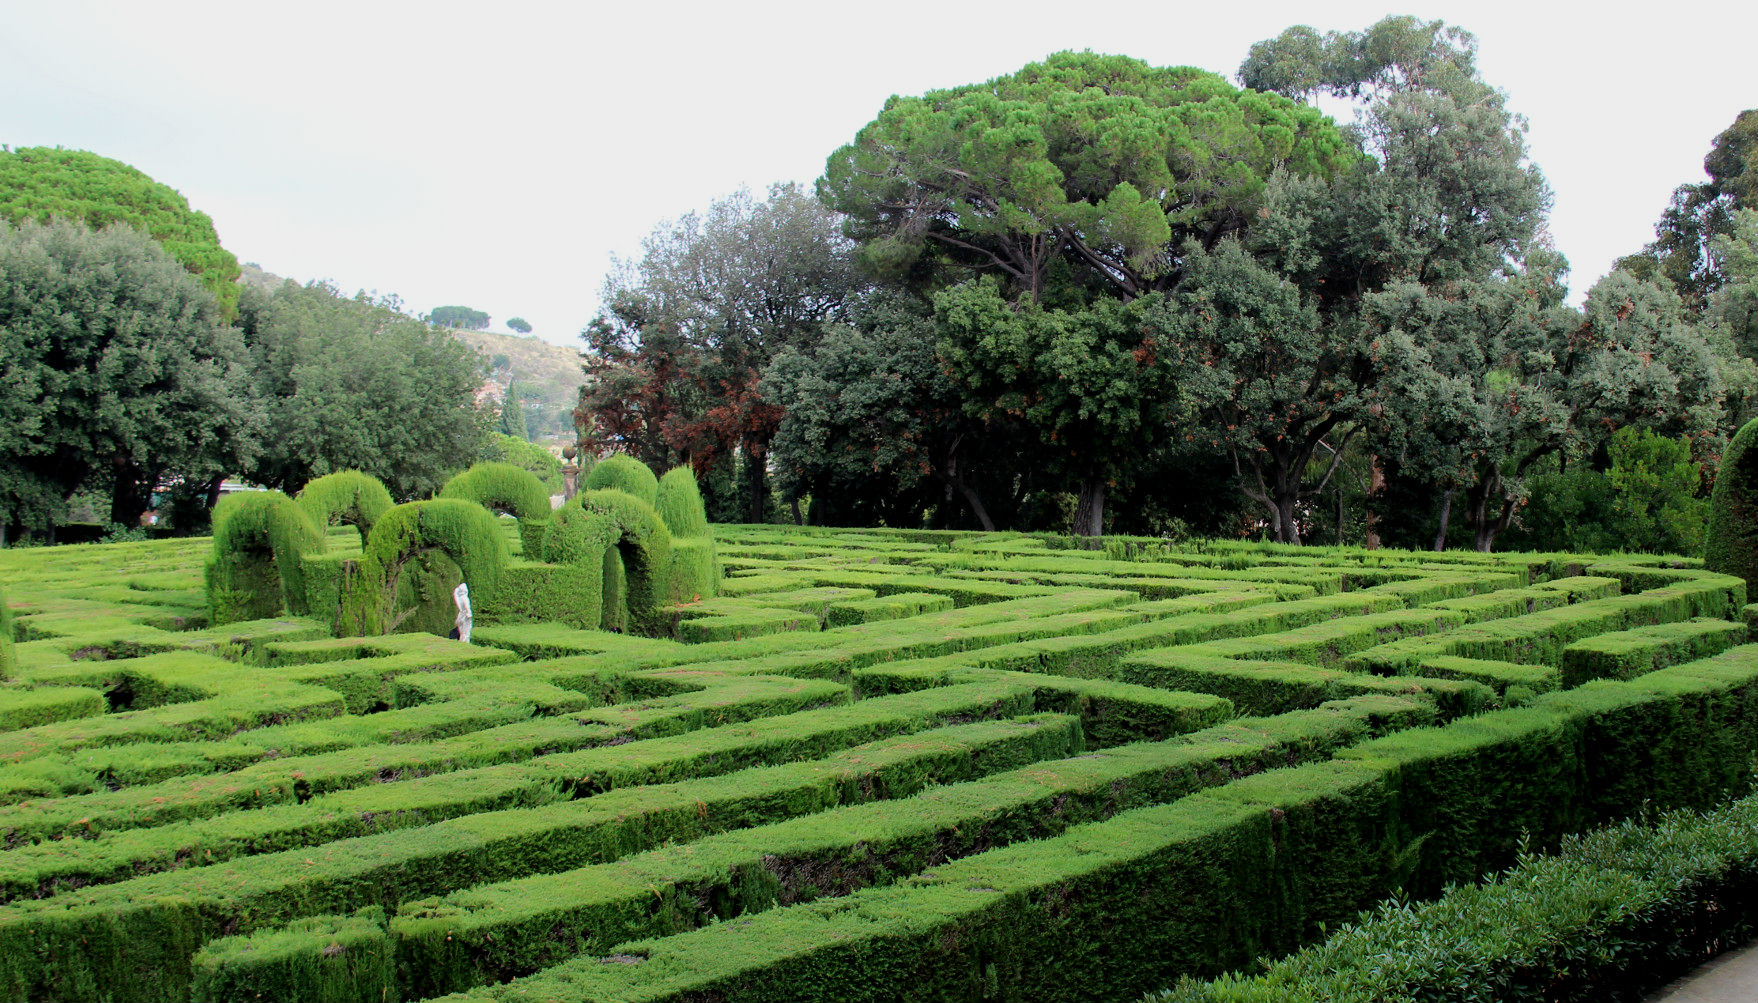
x: 261, y: 539
x: 459, y: 316
x: 512, y: 421
x: 39, y: 184
x: 119, y: 373
x: 1731, y: 543
x: 1097, y: 167
x: 621, y: 472
x: 354, y: 384
x: 1683, y: 252
x: 326, y: 959
x: 519, y: 325
x: 1614, y: 914
x: 348, y: 497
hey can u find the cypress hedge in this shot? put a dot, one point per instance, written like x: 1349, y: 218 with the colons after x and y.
x: 624, y: 473
x: 348, y: 497
x: 255, y: 571
x: 1731, y: 544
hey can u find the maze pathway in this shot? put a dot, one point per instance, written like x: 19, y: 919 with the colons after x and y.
x: 878, y: 765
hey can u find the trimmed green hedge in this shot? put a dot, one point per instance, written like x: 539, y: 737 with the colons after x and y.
x: 624, y: 473
x: 464, y: 532
x: 503, y: 487
x: 8, y: 658
x: 1611, y: 915
x: 679, y: 503
x: 1217, y: 878
x: 595, y: 525
x: 255, y: 571
x: 327, y: 959
x: 1731, y: 544
x: 348, y: 497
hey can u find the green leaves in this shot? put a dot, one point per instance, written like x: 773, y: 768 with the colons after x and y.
x: 1102, y: 163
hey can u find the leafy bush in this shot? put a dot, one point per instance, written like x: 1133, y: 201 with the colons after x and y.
x: 347, y: 496
x: 256, y: 568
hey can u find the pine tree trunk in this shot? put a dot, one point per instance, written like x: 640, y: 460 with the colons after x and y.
x: 759, y: 509
x: 1376, y: 487
x: 1089, y: 512
x: 1440, y: 538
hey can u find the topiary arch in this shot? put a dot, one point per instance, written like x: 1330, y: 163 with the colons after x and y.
x: 1731, y: 544
x: 624, y: 473
x: 628, y: 537
x: 347, y: 496
x: 254, y: 572
x: 464, y: 532
x: 503, y: 487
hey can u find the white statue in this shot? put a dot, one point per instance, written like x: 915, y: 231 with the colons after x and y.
x: 461, y: 596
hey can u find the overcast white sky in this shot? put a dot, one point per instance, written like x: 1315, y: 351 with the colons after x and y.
x: 458, y: 153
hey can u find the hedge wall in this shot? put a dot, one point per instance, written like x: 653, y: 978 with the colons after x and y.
x: 255, y: 571
x: 347, y: 496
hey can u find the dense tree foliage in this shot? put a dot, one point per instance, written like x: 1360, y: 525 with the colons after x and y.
x: 40, y: 184
x: 353, y: 384
x: 1085, y: 169
x: 673, y: 365
x: 459, y: 316
x: 118, y: 373
x: 519, y: 325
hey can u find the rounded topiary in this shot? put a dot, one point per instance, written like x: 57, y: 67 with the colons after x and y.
x: 346, y: 496
x: 680, y: 503
x: 260, y: 537
x: 695, y: 568
x: 624, y: 473
x: 1731, y: 544
x: 624, y: 532
x: 501, y: 487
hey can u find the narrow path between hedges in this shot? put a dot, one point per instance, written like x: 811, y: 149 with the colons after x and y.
x: 1731, y: 978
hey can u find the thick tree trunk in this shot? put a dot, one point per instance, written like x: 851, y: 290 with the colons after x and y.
x: 757, y: 468
x: 1440, y: 538
x: 1089, y: 512
x: 127, y: 499
x: 214, y: 490
x: 976, y: 504
x: 1287, y: 526
x: 794, y: 504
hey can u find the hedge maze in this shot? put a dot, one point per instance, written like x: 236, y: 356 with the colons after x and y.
x: 804, y: 764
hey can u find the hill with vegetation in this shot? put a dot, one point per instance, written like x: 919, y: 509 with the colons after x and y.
x: 545, y: 377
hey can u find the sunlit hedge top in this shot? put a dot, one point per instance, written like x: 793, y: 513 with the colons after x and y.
x: 39, y: 183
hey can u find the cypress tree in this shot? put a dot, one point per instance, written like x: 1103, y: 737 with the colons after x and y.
x: 1731, y: 546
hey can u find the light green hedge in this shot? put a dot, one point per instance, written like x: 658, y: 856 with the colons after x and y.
x: 348, y: 497
x: 624, y: 473
x: 255, y: 571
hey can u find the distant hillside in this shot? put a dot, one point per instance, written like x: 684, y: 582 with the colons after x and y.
x: 548, y: 376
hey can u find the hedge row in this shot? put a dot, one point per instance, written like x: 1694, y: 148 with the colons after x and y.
x: 1612, y: 915
x: 1212, y: 880
x: 512, y: 928
x: 146, y: 931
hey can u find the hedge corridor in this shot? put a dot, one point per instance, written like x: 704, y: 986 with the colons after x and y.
x: 692, y: 762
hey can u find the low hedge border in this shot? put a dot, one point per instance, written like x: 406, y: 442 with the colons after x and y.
x: 1611, y: 915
